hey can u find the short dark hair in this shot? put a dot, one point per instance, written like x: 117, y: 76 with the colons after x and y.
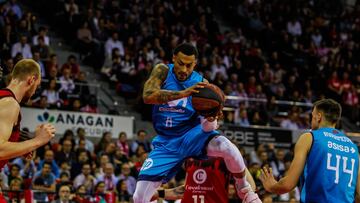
x: 187, y: 49
x: 141, y: 131
x: 330, y: 108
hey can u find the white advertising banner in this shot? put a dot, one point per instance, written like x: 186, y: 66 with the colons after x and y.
x: 94, y: 124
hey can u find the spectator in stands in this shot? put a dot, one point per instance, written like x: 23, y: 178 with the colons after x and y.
x: 49, y: 159
x: 100, y: 169
x: 36, y: 57
x: 66, y: 154
x: 113, y: 42
x: 142, y: 140
x: 278, y: 165
x: 23, y: 29
x: 99, y: 192
x: 64, y: 167
x: 81, y: 135
x: 218, y: 67
x: 129, y: 180
x: 66, y: 82
x: 85, y: 179
x: 52, y: 95
x: 103, y: 142
x: 44, y: 181
x: 76, y: 166
x: 52, y: 73
x: 243, y: 120
x: 75, y: 105
x: 82, y: 87
x: 91, y: 106
x: 42, y: 48
x: 122, y: 144
x: 351, y: 103
x: 27, y: 167
x: 7, y: 66
x: 258, y: 118
x: 122, y: 191
x: 71, y: 64
x: 22, y: 47
x: 291, y: 122
x: 42, y: 35
x: 15, y: 195
x: 334, y: 86
x: 14, y: 173
x: 80, y: 195
x: 85, y: 39
x: 71, y: 5
x: 52, y: 63
x: 108, y: 178
x: 64, y: 194
x: 7, y: 38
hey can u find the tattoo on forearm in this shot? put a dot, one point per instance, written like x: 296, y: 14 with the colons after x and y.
x: 153, y: 84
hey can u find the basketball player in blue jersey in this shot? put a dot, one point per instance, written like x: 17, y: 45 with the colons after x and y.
x: 181, y: 132
x: 325, y: 161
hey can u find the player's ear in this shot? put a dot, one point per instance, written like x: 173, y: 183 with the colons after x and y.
x: 30, y: 80
x: 173, y: 58
x: 320, y: 117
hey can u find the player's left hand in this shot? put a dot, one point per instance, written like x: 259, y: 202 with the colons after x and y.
x: 267, y: 178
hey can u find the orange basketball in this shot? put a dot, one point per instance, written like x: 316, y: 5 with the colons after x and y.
x: 208, y: 100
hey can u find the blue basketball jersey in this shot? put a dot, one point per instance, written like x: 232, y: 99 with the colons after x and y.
x: 177, y: 117
x: 331, y: 169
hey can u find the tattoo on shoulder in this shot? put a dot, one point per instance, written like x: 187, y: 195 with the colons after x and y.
x: 160, y: 71
x: 157, y: 76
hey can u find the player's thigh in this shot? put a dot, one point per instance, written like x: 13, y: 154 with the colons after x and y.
x: 195, y: 142
x: 159, y: 164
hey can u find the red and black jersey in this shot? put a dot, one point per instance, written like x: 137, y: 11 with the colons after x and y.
x: 207, y: 181
x: 16, y: 129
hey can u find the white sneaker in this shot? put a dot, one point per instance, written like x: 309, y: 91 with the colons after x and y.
x: 248, y: 195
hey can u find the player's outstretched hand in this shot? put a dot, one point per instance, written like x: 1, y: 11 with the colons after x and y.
x: 45, y: 132
x: 267, y: 178
x: 193, y: 89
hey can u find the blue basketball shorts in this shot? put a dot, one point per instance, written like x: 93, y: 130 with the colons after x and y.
x: 169, y: 153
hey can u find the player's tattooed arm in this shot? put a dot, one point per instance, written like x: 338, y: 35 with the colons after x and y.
x: 153, y: 94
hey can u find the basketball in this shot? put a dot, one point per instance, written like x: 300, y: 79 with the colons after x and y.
x: 208, y: 100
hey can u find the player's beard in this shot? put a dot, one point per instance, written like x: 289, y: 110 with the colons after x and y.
x: 29, y: 94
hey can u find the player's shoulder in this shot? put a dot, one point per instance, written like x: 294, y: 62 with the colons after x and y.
x: 9, y: 104
x: 161, y: 67
x: 160, y: 71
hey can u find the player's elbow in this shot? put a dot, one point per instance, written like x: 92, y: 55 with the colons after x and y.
x: 147, y: 99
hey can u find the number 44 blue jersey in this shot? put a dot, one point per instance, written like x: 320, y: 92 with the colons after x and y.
x: 331, y: 169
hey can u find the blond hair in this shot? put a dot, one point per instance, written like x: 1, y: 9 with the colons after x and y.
x: 25, y: 68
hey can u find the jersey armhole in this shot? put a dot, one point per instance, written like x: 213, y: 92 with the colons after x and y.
x: 312, y: 143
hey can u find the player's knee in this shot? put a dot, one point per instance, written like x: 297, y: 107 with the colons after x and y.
x: 224, y: 147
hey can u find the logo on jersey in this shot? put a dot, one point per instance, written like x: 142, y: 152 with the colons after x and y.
x: 147, y: 164
x: 179, y: 102
x: 200, y: 176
